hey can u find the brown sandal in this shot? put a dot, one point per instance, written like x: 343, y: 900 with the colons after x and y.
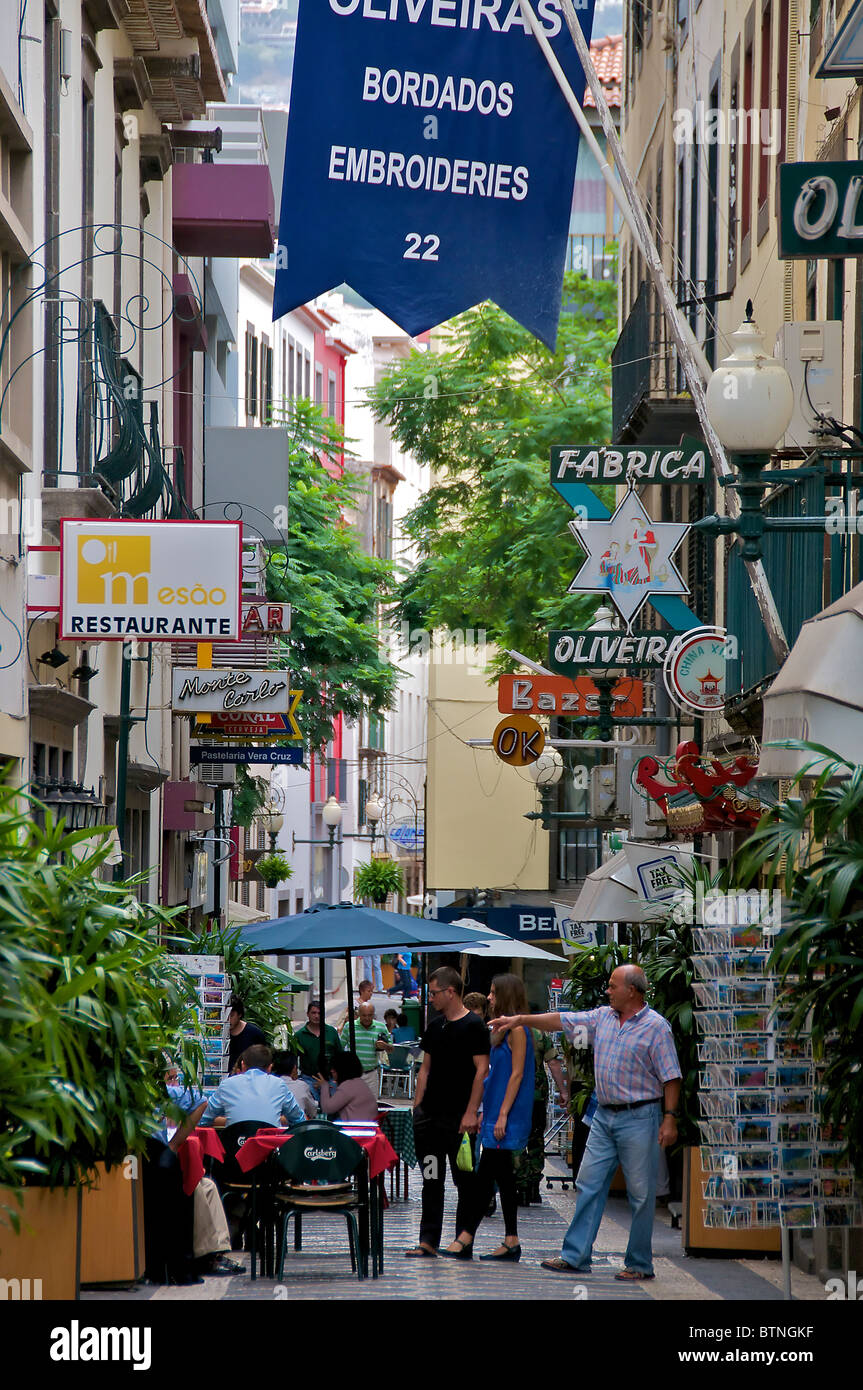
x: 631, y: 1276
x: 419, y: 1252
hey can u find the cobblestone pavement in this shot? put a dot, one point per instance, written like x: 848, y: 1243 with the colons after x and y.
x: 323, y: 1271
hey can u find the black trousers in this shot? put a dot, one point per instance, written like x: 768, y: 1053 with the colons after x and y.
x: 437, y: 1142
x: 168, y: 1215
x: 495, y: 1166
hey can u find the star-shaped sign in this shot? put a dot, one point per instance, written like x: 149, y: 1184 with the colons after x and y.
x: 629, y: 557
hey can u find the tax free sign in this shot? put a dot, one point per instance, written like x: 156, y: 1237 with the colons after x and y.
x: 430, y: 158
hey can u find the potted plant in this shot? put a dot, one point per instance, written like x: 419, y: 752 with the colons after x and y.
x: 811, y: 845
x: 92, y: 1006
x: 377, y: 879
x: 274, y: 868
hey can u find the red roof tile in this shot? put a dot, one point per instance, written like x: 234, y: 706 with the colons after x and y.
x: 607, y: 55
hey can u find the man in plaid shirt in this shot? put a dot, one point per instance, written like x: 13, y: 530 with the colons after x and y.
x: 637, y: 1088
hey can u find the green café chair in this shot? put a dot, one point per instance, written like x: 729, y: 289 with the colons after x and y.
x: 323, y: 1170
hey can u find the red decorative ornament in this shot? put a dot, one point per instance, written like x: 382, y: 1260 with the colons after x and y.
x: 702, y: 796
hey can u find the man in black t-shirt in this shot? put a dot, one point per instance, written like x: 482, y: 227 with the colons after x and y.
x: 448, y: 1093
x: 243, y: 1034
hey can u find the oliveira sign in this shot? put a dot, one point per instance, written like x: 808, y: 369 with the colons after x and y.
x: 819, y: 210
x: 216, y: 692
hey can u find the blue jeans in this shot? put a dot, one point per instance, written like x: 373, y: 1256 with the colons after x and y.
x: 630, y: 1138
x: 372, y: 971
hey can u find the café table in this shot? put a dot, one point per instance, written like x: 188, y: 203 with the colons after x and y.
x: 200, y: 1144
x: 397, y: 1123
x: 379, y: 1152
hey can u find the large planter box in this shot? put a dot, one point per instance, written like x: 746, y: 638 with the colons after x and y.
x: 47, y: 1251
x: 699, y: 1239
x: 112, y: 1228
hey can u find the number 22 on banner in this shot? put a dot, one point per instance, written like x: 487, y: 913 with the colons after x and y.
x: 415, y: 241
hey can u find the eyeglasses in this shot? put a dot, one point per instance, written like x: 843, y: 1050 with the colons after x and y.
x: 433, y: 992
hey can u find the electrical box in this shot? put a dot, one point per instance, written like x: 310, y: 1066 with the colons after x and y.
x: 811, y: 354
x: 602, y: 790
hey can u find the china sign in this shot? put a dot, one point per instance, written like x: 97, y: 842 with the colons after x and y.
x: 212, y: 692
x: 440, y: 138
x: 160, y: 581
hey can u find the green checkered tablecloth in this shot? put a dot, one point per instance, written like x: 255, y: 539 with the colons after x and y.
x: 398, y: 1126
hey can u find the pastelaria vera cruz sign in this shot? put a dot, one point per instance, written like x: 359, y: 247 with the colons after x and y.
x: 158, y: 581
x: 430, y: 158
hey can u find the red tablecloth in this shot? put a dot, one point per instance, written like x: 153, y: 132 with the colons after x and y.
x: 381, y: 1153
x: 191, y: 1156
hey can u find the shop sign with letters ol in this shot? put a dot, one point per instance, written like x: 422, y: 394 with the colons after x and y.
x: 216, y: 692
x: 629, y: 557
x: 821, y: 210
x: 557, y: 695
x: 160, y: 581
x: 570, y: 651
x: 433, y: 135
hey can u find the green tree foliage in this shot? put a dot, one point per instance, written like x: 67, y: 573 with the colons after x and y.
x: 491, y: 534
x: 334, y: 587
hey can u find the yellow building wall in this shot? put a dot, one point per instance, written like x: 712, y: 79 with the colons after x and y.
x: 476, y: 835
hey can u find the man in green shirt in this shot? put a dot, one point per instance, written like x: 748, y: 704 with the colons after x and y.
x: 307, y: 1042
x: 372, y: 1039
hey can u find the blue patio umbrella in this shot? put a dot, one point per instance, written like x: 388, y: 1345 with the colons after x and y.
x: 344, y: 929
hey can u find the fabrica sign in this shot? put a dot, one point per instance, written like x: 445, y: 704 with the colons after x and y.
x: 437, y: 155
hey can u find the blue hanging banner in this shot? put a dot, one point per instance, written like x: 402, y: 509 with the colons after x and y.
x: 430, y: 159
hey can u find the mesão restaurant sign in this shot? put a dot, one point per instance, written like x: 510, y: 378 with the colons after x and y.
x: 162, y: 581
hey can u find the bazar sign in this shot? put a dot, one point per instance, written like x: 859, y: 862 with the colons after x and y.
x: 649, y: 463
x: 820, y: 212
x: 163, y: 581
x: 441, y: 136
x: 211, y: 692
x: 557, y: 695
x: 242, y: 753
x: 569, y: 650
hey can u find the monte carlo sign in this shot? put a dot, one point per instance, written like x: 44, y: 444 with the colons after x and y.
x: 160, y: 581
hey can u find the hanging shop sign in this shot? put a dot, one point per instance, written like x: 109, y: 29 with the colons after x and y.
x: 629, y: 557
x: 700, y: 795
x: 251, y: 723
x: 694, y: 670
x: 573, y: 934
x: 160, y: 581
x: 240, y: 753
x: 557, y: 695
x: 820, y: 210
x: 649, y: 463
x: 518, y: 740
x: 844, y: 57
x: 265, y: 619
x: 216, y: 691
x: 522, y: 921
x: 409, y: 836
x: 570, y: 651
x: 441, y: 138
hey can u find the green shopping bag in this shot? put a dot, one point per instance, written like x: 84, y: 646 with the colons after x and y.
x: 464, y: 1157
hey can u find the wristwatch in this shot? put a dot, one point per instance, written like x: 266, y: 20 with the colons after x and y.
x: 674, y: 1113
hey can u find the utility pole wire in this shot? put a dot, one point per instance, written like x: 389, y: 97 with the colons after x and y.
x: 695, y: 366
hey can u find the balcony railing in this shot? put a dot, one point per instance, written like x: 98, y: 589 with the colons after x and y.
x: 643, y: 360
x: 591, y: 254
x: 116, y: 449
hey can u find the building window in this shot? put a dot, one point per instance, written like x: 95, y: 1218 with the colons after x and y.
x: 308, y: 378
x: 319, y: 386
x: 251, y: 373
x: 331, y: 395
x: 744, y: 138
x: 291, y: 389
x: 765, y: 112
x: 266, y: 381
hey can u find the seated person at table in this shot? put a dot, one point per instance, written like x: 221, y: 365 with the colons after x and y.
x: 352, y: 1099
x: 254, y: 1094
x: 391, y: 1019
x: 168, y: 1212
x: 286, y: 1065
x: 402, y: 1033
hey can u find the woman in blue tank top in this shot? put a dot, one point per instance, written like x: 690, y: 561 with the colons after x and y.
x: 507, y: 1112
